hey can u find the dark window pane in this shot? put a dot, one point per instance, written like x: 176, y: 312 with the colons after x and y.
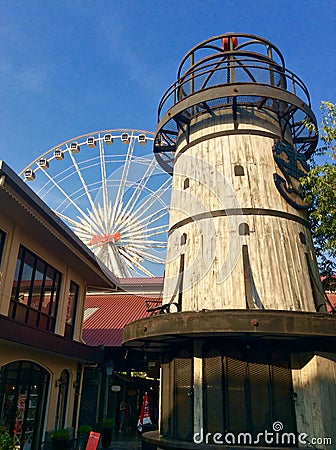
x: 26, y: 278
x: 35, y: 291
x: 38, y: 284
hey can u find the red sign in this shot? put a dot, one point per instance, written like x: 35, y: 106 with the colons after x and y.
x: 101, y: 239
x: 93, y: 441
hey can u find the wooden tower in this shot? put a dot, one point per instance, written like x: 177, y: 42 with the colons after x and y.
x: 249, y: 348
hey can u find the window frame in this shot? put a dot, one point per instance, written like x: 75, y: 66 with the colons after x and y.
x: 22, y: 308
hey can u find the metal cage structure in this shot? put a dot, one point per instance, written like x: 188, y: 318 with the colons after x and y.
x: 234, y: 71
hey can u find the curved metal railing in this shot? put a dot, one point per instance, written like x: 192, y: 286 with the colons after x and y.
x: 234, y: 70
x: 222, y: 72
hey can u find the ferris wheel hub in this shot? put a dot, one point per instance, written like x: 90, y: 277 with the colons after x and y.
x: 101, y: 239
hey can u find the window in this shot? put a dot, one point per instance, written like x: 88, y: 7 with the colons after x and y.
x: 244, y: 229
x: 71, y: 310
x: 239, y: 171
x: 186, y: 183
x: 23, y: 395
x: 302, y: 238
x: 35, y: 291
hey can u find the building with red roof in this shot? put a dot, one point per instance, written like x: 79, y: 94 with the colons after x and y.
x: 106, y: 315
x: 121, y: 375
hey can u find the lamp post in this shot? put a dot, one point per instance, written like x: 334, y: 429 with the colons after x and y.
x: 109, y: 366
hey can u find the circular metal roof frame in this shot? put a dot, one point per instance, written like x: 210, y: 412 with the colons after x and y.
x: 238, y: 77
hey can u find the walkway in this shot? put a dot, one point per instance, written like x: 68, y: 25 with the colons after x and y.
x: 125, y: 443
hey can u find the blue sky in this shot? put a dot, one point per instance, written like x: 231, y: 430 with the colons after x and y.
x: 72, y: 67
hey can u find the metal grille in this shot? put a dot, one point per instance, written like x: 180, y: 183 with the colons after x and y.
x: 259, y: 393
x: 89, y: 404
x: 165, y: 397
x: 213, y: 392
x: 283, y: 407
x: 236, y: 403
x: 183, y: 396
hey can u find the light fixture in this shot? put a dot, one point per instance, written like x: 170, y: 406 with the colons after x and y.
x: 109, y: 368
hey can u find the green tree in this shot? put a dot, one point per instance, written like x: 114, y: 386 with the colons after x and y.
x: 320, y: 188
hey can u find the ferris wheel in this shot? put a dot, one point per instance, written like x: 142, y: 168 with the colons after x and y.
x: 112, y: 193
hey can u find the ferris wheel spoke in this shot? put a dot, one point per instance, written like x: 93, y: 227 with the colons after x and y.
x: 153, y: 217
x: 150, y: 244
x: 140, y: 232
x: 121, y: 188
x: 143, y: 245
x: 117, y: 262
x: 158, y: 233
x: 134, y: 224
x: 108, y: 217
x: 103, y: 175
x: 143, y: 251
x: 99, y: 251
x: 136, y: 263
x: 160, y: 230
x: 92, y: 219
x: 150, y: 201
x: 65, y: 195
x: 73, y: 222
x: 152, y: 258
x: 80, y: 176
x: 140, y: 187
x: 128, y: 266
x: 95, y: 217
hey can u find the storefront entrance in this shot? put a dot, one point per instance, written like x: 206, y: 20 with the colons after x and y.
x: 23, y: 392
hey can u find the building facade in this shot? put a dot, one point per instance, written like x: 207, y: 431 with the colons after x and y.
x: 45, y: 271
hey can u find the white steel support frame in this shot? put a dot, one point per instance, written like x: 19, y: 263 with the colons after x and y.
x: 127, y: 228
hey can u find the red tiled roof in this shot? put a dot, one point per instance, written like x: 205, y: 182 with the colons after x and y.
x: 108, y: 314
x: 141, y: 280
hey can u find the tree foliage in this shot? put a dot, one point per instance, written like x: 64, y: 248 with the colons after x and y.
x: 320, y: 188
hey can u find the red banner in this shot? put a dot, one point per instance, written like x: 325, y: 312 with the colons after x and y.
x: 144, y: 418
